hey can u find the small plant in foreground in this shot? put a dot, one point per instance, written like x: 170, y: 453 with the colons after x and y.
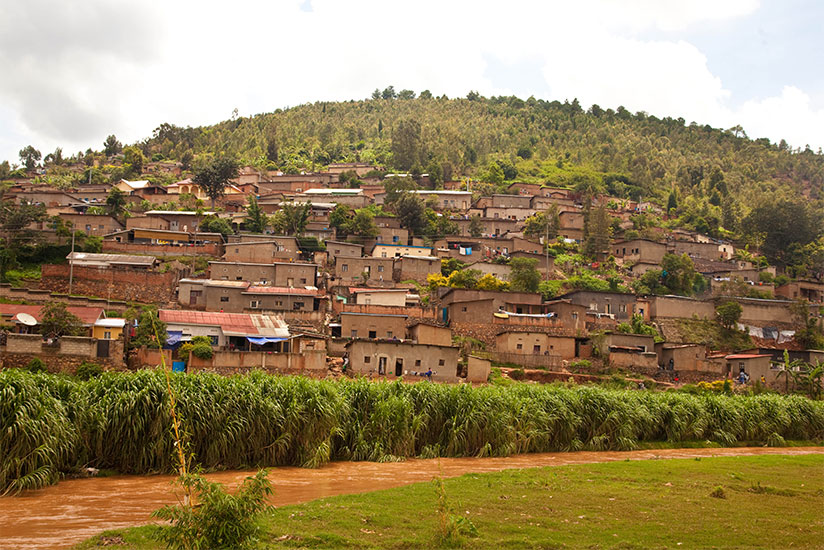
x: 218, y: 520
x: 87, y: 371
x: 36, y: 365
x: 718, y: 492
x: 451, y: 527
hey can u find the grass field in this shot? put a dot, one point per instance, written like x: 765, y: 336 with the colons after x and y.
x: 742, y: 502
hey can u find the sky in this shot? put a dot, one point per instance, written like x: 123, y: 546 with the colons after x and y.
x: 72, y: 73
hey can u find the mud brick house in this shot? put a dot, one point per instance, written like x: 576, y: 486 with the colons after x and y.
x: 499, y: 271
x: 380, y: 296
x: 534, y: 343
x: 447, y: 200
x: 392, y: 359
x: 286, y: 274
x: 458, y: 305
x: 372, y: 326
x: 271, y: 250
x: 415, y: 268
x: 543, y: 264
x: 709, y: 251
x: 627, y: 350
x: 350, y: 197
x: 810, y: 290
x: 47, y: 196
x: 571, y: 225
x: 339, y: 249
x: 572, y: 316
x: 224, y: 329
x: 612, y: 304
x: 240, y: 296
x: 490, y: 227
x: 176, y: 220
x: 426, y: 333
x: 89, y: 259
x: 684, y: 356
x: 755, y: 365
x: 639, y: 250
x: 360, y: 168
x: 358, y: 270
x: 392, y: 235
x: 97, y: 225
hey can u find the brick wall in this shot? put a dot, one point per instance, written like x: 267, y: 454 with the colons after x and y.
x: 65, y: 356
x: 120, y: 284
x: 37, y: 296
x: 210, y: 249
x: 239, y: 362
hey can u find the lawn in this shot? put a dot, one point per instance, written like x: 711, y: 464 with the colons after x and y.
x: 763, y: 502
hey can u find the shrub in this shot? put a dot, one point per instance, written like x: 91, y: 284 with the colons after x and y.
x: 36, y: 365
x: 87, y: 371
x: 517, y: 374
x: 718, y: 492
x: 202, y: 351
x: 220, y: 520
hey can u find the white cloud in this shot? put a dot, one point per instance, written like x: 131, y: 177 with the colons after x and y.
x: 77, y: 74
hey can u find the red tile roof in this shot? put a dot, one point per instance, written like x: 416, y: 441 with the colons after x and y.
x: 88, y: 315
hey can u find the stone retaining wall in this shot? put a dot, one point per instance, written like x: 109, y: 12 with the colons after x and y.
x: 118, y: 284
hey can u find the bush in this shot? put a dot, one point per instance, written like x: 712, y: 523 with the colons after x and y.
x: 36, y: 365
x: 517, y: 374
x: 202, y: 351
x: 87, y: 371
x: 220, y: 520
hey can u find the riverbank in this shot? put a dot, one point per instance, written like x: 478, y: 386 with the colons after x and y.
x: 767, y: 501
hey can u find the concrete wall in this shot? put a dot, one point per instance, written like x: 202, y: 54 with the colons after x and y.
x: 383, y: 326
x: 477, y: 369
x: 44, y: 296
x: 211, y: 249
x: 629, y: 360
x: 509, y: 342
x: 238, y: 362
x: 669, y: 307
x: 428, y: 334
x: 32, y: 345
x: 365, y: 358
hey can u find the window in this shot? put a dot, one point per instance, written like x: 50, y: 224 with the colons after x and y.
x: 373, y: 334
x: 107, y: 335
x: 463, y: 309
x: 380, y: 269
x: 239, y: 278
x: 297, y: 305
x: 88, y: 227
x: 575, y: 315
x: 303, y: 281
x: 417, y: 362
x: 389, y: 334
x: 441, y: 362
x: 519, y: 346
x: 224, y: 298
x: 367, y: 359
x: 337, y: 251
x: 395, y: 238
x: 225, y: 277
x: 354, y: 334
x: 100, y: 226
x: 344, y: 268
x: 254, y: 304
x: 278, y: 302
x: 622, y: 308
x: 383, y: 254
x: 213, y: 340
x: 536, y: 349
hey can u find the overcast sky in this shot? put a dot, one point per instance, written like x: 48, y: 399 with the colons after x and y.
x: 72, y: 73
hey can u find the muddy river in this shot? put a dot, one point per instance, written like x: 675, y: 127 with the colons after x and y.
x: 64, y: 514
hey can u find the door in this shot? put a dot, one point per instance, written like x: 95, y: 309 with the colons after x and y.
x: 193, y: 297
x: 382, y: 365
x: 398, y: 367
x: 103, y: 348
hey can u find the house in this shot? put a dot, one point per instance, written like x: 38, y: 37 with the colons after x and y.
x: 426, y: 333
x: 360, y: 168
x: 499, y: 271
x: 628, y: 350
x: 683, y: 356
x: 489, y: 227
x: 572, y: 316
x: 288, y: 274
x: 416, y: 268
x: 350, y: 270
x: 706, y: 250
x: 108, y: 329
x: 810, y: 290
x: 273, y: 249
x: 19, y: 316
x: 383, y: 250
x: 446, y: 200
x: 393, y: 359
x: 130, y: 187
x: 639, y: 250
x: 92, y: 224
x: 188, y: 186
x: 239, y: 296
x: 88, y: 259
x: 336, y: 249
x: 571, y: 225
x: 535, y: 343
x: 755, y: 365
x: 392, y: 235
x: 380, y: 297
x: 225, y: 330
x: 614, y: 305
x: 350, y: 197
x: 369, y: 325
x: 177, y: 220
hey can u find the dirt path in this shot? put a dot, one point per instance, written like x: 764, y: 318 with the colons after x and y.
x: 73, y: 510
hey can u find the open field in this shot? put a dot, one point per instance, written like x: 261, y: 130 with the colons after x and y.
x: 760, y: 502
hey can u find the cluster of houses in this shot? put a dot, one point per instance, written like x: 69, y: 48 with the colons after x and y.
x: 360, y: 298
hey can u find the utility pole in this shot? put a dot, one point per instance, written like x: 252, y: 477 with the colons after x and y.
x: 71, y: 263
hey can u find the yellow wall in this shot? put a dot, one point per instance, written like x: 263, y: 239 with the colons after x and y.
x: 100, y: 332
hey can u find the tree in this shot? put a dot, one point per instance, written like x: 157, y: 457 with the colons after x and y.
x: 214, y: 177
x: 411, y: 213
x: 29, y: 156
x: 728, y: 314
x: 543, y: 224
x: 785, y: 225
x: 363, y: 224
x: 490, y: 282
x: 16, y: 232
x: 150, y: 331
x: 256, y: 219
x: 808, y: 333
x: 524, y: 276
x: 389, y: 93
x: 133, y: 161
x: 339, y: 219
x: 439, y: 225
x: 213, y: 224
x: 56, y: 320
x: 476, y: 226
x: 111, y: 146
x: 637, y: 326
x: 407, y: 148
x: 293, y: 217
x: 598, y: 232
x: 678, y: 274
x: 116, y: 202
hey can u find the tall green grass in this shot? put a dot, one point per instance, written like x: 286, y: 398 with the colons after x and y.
x: 52, y: 424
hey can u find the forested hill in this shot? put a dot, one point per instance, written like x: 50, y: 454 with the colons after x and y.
x: 531, y: 140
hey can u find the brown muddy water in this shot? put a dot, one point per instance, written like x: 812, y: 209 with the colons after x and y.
x: 73, y: 510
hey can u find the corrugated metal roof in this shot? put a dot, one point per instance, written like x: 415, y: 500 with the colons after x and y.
x: 232, y: 324
x: 87, y: 257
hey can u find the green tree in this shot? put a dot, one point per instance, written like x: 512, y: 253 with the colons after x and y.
x: 56, y: 320
x: 476, y: 226
x: 150, y: 331
x: 808, y: 332
x: 214, y: 176
x: 116, y: 203
x: 256, y: 219
x: 494, y: 173
x: 407, y: 147
x: 411, y: 213
x: 339, y: 219
x: 786, y: 225
x: 293, y: 217
x: 133, y: 161
x: 363, y: 224
x: 678, y: 274
x: 29, y: 156
x: 524, y: 276
x: 637, y: 326
x: 728, y: 314
x: 598, y: 232
x: 543, y: 224
x: 214, y: 224
x: 111, y: 146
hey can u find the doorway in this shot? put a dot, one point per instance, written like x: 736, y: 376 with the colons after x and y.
x: 399, y: 367
x: 382, y: 365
